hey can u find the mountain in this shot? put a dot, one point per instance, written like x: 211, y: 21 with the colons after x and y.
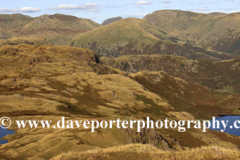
x: 111, y: 20
x: 213, y: 36
x: 217, y: 13
x: 220, y: 33
x: 56, y: 29
x: 46, y: 82
x: 122, y: 35
x: 223, y: 76
x: 137, y: 36
x: 152, y: 69
x: 128, y: 36
x: 10, y: 22
x: 13, y: 21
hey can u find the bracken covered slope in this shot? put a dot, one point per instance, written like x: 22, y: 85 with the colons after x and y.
x: 44, y: 82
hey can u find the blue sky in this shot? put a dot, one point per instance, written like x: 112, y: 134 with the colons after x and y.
x: 98, y: 10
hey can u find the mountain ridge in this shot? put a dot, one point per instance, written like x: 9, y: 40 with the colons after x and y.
x: 204, y: 30
x: 56, y: 29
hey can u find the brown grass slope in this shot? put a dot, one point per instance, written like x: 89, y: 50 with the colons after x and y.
x: 45, y: 82
x: 148, y: 152
x: 129, y: 36
x: 137, y: 36
x: 56, y: 29
x: 112, y: 39
x: 13, y: 21
x: 222, y: 76
x: 10, y: 22
x: 220, y: 33
x: 17, y: 41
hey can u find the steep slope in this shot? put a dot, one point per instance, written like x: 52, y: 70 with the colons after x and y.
x: 45, y: 82
x: 2, y: 36
x: 13, y: 21
x: 121, y: 32
x: 223, y: 76
x: 56, y: 29
x: 111, y: 20
x: 133, y: 36
x: 130, y: 36
x: 220, y: 33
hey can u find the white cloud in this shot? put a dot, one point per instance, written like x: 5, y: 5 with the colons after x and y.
x: 142, y: 3
x: 167, y: 1
x: 120, y: 6
x: 88, y: 6
x: 23, y: 9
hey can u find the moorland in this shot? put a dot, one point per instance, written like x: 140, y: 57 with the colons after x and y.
x: 171, y: 64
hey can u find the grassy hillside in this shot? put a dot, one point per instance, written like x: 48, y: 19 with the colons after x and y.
x: 222, y: 76
x: 16, y: 41
x: 124, y: 37
x: 136, y: 36
x: 220, y: 33
x: 10, y: 22
x: 13, y: 21
x: 56, y: 29
x: 148, y: 152
x: 121, y: 32
x: 47, y: 82
x: 148, y: 73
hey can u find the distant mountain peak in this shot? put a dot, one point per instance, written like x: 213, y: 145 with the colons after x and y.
x: 56, y: 29
x: 111, y: 20
x: 216, y: 13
